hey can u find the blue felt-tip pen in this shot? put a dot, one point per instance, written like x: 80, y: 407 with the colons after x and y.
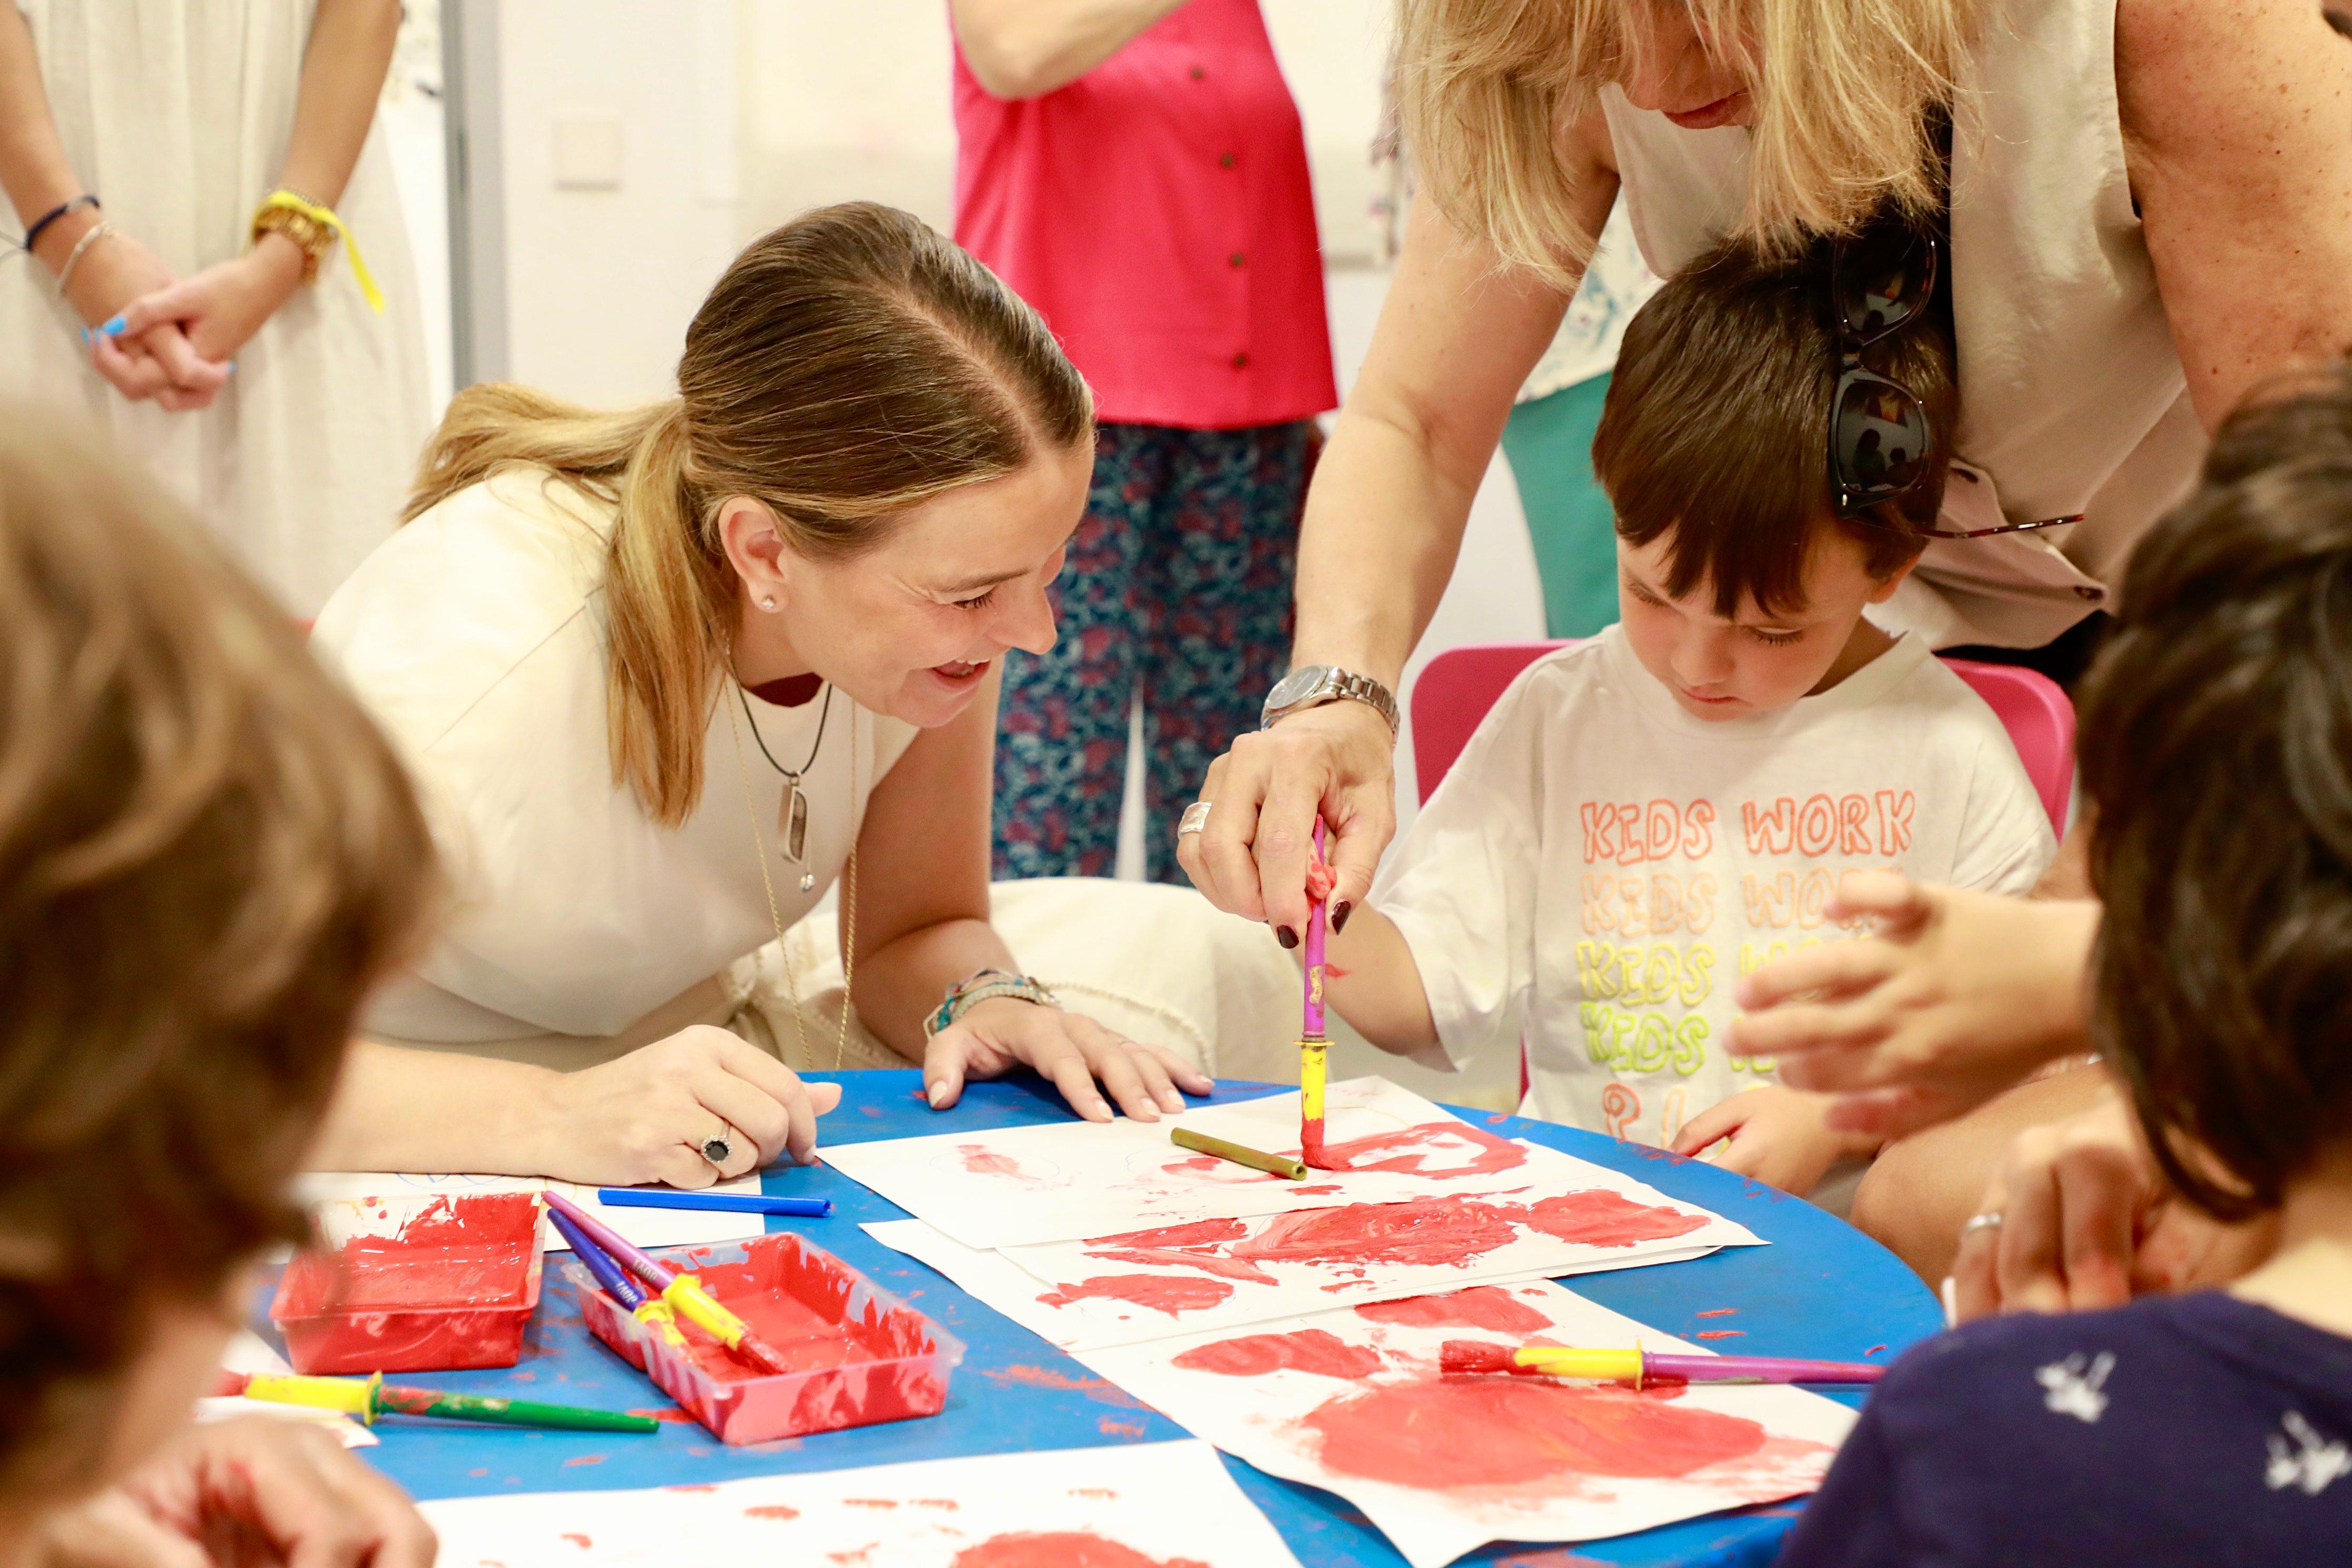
x: 725, y: 1202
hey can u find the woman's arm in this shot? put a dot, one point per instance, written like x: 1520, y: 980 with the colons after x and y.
x: 1384, y: 519
x: 922, y: 897
x: 2237, y: 117
x: 1025, y: 48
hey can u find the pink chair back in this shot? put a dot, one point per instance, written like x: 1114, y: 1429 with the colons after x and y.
x: 1458, y: 688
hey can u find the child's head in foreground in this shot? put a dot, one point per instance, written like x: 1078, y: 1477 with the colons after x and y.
x: 2216, y: 748
x: 207, y: 853
x: 1738, y: 588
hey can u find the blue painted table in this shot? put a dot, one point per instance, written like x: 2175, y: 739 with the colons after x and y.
x: 1822, y: 1290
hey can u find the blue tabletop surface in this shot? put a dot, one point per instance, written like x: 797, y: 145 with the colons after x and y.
x: 1821, y: 1289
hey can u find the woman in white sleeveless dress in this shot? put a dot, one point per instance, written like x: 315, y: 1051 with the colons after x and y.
x: 2150, y: 211
x: 182, y: 116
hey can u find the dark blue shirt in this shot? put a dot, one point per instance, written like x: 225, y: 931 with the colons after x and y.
x: 2191, y: 1429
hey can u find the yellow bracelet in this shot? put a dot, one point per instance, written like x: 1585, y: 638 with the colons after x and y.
x: 301, y: 214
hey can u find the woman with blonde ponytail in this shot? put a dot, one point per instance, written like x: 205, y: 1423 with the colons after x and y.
x: 2145, y: 210
x: 667, y: 676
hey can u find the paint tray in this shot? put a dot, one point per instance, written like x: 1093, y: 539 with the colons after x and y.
x: 413, y: 1284
x: 869, y: 1357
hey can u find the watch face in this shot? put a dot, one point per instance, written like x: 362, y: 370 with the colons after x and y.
x: 1295, y: 686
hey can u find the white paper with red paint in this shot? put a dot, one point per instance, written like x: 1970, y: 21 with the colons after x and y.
x: 1130, y: 1505
x: 1020, y: 1185
x: 645, y: 1227
x: 1351, y: 1401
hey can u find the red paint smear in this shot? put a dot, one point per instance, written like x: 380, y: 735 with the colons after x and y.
x: 981, y: 1160
x: 1306, y: 1350
x: 450, y: 1291
x: 1721, y: 1334
x: 849, y: 1559
x: 1100, y: 1494
x: 669, y: 1412
x: 1479, y: 1307
x: 581, y: 1542
x: 583, y: 1459
x: 1200, y: 1233
x: 1716, y: 1313
x: 1110, y: 1429
x: 1488, y: 1432
x: 869, y: 1503
x: 949, y: 1503
x: 1873, y: 1349
x: 1102, y: 1391
x: 1303, y: 1192
x: 765, y: 1510
x: 1062, y: 1549
x: 1603, y: 1218
x: 1426, y: 1231
x: 1310, y: 1145
x: 1206, y: 1262
x: 692, y: 1486
x: 1431, y: 1148
x: 1166, y: 1293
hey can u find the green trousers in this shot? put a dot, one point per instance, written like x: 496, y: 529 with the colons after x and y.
x: 1549, y: 444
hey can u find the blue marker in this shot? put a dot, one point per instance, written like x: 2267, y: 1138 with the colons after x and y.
x: 724, y: 1202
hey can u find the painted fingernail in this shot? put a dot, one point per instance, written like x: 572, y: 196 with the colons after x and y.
x: 113, y: 328
x: 1339, y: 913
x: 1285, y: 935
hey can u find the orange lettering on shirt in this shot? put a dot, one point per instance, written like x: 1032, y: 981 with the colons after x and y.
x: 1853, y: 825
x: 1817, y: 827
x: 1894, y: 813
x: 1698, y: 829
x: 1813, y: 895
x: 1599, y: 899
x: 1772, y: 832
x: 1662, y: 829
x: 1631, y: 850
x: 1600, y: 837
x: 1770, y: 899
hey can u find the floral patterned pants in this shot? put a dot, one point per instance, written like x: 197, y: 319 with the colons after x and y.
x: 1177, y: 590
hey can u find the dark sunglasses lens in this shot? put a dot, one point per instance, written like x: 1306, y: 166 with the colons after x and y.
x: 1884, y: 279
x: 1880, y: 440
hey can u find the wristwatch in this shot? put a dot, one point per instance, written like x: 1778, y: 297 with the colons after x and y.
x: 1312, y: 685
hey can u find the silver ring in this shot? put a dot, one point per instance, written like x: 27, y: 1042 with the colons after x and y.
x: 716, y: 1150
x: 1990, y: 1220
x: 1196, y: 817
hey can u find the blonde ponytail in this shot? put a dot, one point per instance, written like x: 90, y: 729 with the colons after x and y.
x: 846, y: 368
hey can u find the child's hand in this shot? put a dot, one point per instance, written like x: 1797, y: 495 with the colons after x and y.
x: 645, y: 1117
x: 1781, y: 1137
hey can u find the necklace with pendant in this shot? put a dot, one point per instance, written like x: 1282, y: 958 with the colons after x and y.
x: 795, y: 817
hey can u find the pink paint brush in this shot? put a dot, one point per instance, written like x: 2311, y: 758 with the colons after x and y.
x: 684, y: 1292
x: 1642, y: 1368
x: 1313, y: 1048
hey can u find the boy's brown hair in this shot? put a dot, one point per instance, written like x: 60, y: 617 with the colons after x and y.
x: 206, y: 854
x: 2216, y: 748
x: 1716, y: 427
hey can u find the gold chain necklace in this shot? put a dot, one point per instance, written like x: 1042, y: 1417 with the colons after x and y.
x: 849, y: 892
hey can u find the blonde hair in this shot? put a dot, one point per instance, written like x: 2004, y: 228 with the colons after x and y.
x: 846, y: 368
x: 1840, y: 90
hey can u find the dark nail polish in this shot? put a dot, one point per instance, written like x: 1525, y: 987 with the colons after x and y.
x: 1285, y: 935
x: 1339, y: 913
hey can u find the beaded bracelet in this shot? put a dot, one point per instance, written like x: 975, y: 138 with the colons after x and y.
x: 982, y: 985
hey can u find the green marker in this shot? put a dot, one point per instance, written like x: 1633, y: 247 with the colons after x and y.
x: 370, y: 1397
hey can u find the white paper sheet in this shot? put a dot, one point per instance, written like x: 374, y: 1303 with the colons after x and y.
x: 645, y: 1228
x: 1350, y: 1400
x: 1165, y: 1503
x: 1018, y: 1186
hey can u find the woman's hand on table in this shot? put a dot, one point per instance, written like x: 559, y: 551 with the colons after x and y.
x: 1957, y: 995
x: 1781, y: 1137
x: 645, y: 1117
x: 217, y: 310
x: 2088, y: 1221
x: 1251, y: 856
x: 1069, y: 1050
x: 255, y: 1491
x: 156, y: 364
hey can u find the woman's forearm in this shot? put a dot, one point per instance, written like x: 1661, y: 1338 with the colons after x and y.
x: 397, y: 1110
x: 342, y: 74
x: 902, y: 982
x: 34, y: 169
x: 1025, y: 48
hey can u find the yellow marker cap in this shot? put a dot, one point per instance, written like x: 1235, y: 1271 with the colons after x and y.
x: 1605, y: 1366
x: 353, y: 1396
x: 685, y: 1293
x: 656, y: 1316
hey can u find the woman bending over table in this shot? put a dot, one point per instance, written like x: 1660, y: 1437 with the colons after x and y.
x: 668, y: 676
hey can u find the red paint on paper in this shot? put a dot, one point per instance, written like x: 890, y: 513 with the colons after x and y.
x: 1062, y: 1549
x: 1721, y: 1334
x: 863, y: 1554
x: 1312, y: 1192
x: 765, y: 1509
x: 869, y: 1503
x: 581, y: 1542
x: 947, y: 1504
x: 1431, y: 1148
x: 1453, y: 1434
x: 1100, y: 1494
x: 1716, y: 1313
x: 1603, y: 1218
x: 452, y: 1289
x: 1425, y: 1231
x: 981, y: 1160
x: 1318, y: 1350
x: 1200, y: 1233
x: 692, y: 1486
x: 1206, y: 1262
x: 1166, y: 1293
x: 1479, y: 1307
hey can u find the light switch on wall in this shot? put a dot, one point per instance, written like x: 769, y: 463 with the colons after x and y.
x: 587, y: 155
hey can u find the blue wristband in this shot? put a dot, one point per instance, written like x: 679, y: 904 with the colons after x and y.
x: 41, y: 223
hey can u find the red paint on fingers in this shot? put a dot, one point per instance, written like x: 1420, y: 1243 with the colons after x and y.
x: 1307, y: 1350
x: 1479, y: 1307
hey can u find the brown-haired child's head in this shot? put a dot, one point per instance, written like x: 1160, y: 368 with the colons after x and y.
x: 206, y: 854
x: 2216, y: 748
x: 1713, y: 449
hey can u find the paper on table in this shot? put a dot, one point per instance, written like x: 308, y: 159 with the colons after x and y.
x: 645, y: 1227
x: 1350, y: 1400
x: 1160, y: 1504
x: 1016, y: 1185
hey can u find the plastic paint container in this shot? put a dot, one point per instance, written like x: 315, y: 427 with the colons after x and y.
x: 414, y: 1284
x: 860, y: 1355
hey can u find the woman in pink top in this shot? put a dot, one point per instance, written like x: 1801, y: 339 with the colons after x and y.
x: 1136, y: 170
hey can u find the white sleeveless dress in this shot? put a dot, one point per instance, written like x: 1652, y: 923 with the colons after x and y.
x: 2072, y: 398
x: 177, y: 113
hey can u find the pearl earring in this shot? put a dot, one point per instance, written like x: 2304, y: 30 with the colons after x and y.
x: 768, y: 603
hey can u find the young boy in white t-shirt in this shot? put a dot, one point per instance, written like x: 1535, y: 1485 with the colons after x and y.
x: 1645, y: 816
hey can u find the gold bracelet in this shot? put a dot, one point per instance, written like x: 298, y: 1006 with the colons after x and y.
x: 314, y: 227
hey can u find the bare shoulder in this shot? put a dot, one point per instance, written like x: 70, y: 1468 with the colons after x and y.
x: 2232, y: 75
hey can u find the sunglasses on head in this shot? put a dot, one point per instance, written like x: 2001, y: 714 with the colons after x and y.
x: 1881, y: 439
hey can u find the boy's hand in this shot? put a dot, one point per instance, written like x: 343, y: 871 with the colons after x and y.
x: 1781, y: 1137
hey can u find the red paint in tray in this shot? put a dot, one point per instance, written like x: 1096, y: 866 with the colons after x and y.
x: 859, y: 1355
x: 414, y: 1284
